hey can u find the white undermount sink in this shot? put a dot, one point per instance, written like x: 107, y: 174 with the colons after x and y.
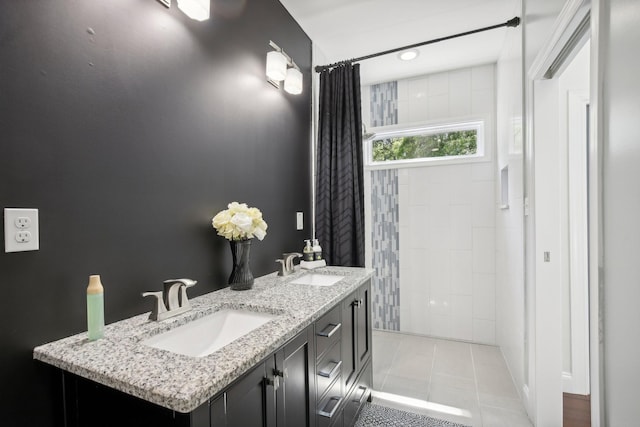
x: 203, y: 336
x: 314, y: 279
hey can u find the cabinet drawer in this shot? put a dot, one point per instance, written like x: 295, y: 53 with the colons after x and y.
x: 329, y: 407
x: 328, y: 330
x: 329, y: 367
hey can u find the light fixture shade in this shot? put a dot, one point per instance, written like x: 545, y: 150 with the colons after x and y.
x: 408, y: 55
x: 276, y: 66
x: 195, y: 9
x: 293, y: 81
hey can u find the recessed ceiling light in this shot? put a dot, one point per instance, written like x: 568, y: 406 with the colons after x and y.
x: 408, y: 55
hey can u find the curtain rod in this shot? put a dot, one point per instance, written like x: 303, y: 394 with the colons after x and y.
x: 514, y: 22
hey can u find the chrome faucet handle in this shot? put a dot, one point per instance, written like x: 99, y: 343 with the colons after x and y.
x: 282, y: 271
x: 175, y: 293
x: 158, y: 307
x: 288, y: 259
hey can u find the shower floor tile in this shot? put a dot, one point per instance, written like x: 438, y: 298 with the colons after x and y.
x: 450, y: 380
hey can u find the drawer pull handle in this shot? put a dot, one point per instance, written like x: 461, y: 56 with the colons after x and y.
x: 332, y: 372
x: 333, y: 329
x: 331, y: 407
x: 364, y: 393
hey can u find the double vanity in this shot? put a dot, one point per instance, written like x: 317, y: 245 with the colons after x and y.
x: 291, y: 351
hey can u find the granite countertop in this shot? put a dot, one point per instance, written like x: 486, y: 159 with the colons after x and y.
x: 182, y: 383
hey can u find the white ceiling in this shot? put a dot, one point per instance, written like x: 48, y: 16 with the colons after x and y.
x: 344, y: 29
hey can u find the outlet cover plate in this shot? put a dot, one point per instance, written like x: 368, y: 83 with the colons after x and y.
x: 21, y: 230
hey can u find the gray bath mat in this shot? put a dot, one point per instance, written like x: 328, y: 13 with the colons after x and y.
x: 380, y: 416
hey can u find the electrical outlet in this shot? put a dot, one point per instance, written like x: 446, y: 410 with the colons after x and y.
x: 299, y: 221
x: 21, y: 230
x: 22, y: 222
x: 23, y: 236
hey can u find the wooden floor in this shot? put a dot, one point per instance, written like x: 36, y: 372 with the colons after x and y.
x: 576, y: 410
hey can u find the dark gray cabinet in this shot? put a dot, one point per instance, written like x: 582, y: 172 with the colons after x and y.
x: 344, y: 375
x: 356, y: 337
x: 279, y: 392
x: 319, y: 378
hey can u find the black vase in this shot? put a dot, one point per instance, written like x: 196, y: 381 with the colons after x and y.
x: 241, y: 278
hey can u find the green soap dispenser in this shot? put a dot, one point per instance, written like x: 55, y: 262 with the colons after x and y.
x: 95, y: 308
x: 307, y: 252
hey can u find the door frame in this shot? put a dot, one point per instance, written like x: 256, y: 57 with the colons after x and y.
x: 543, y: 340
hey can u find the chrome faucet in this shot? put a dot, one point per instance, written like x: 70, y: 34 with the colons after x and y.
x: 172, y: 300
x: 286, y: 263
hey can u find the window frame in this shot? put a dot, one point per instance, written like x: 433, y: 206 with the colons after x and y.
x: 476, y: 123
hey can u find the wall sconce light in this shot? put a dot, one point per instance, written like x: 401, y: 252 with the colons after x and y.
x: 280, y: 67
x: 194, y: 9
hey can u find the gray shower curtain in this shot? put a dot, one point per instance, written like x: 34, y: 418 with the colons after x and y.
x: 340, y: 174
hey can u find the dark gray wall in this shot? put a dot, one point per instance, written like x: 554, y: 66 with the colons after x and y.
x: 129, y: 126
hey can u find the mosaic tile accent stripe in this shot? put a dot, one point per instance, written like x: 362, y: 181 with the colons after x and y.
x: 386, y: 249
x: 384, y: 104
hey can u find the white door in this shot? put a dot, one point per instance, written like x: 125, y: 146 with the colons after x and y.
x: 573, y: 97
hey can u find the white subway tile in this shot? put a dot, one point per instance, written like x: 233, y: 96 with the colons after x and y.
x: 437, y: 107
x: 439, y: 238
x: 460, y: 81
x: 440, y: 326
x: 461, y: 272
x: 459, y: 104
x: 460, y: 226
x: 417, y: 87
x: 439, y: 215
x: 403, y: 90
x: 403, y: 176
x: 404, y: 112
x: 484, y: 248
x: 462, y: 328
x: 484, y: 296
x: 483, y: 203
x: 419, y: 231
x: 403, y: 206
x: 484, y: 331
x: 438, y: 84
x: 482, y: 102
x: 462, y: 305
x: 483, y: 171
x: 419, y: 192
x: 418, y: 110
x: 439, y: 274
x: 439, y: 193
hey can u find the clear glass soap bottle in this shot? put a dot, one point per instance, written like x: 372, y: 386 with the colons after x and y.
x: 95, y: 308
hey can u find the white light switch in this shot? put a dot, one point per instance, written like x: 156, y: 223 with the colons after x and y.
x: 299, y: 221
x: 21, y: 230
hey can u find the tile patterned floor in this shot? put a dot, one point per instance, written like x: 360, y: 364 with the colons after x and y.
x: 460, y: 382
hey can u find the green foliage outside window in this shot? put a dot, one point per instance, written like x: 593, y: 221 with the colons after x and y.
x: 459, y: 143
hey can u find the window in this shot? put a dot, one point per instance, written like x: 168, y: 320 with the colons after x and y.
x: 460, y: 140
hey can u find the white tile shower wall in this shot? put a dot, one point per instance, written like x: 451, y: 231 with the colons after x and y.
x: 447, y: 270
x: 509, y: 285
x: 447, y: 216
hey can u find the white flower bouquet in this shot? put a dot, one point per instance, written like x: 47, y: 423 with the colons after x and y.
x: 240, y: 222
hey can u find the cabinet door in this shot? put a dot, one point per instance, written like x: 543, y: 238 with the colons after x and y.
x: 363, y: 316
x: 295, y: 398
x: 349, y: 352
x: 248, y: 402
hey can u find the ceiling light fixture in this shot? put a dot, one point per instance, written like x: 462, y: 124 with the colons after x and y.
x: 198, y: 10
x: 408, y: 55
x: 280, y: 67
